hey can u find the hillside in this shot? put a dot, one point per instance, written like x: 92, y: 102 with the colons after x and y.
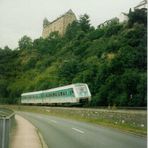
x: 111, y: 60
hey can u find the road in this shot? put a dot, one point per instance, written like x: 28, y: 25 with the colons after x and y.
x: 65, y: 133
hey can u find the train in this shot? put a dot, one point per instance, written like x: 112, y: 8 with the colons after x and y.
x: 78, y: 93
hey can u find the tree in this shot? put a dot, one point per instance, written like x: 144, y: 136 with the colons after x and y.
x: 68, y: 70
x: 72, y: 30
x: 110, y: 59
x: 137, y: 16
x: 84, y: 23
x: 132, y: 80
x: 25, y: 43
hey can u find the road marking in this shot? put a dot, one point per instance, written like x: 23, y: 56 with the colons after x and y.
x: 53, y: 121
x: 78, y: 130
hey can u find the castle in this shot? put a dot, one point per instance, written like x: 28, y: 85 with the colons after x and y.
x: 60, y: 24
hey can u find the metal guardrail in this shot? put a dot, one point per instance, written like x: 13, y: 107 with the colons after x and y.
x: 6, y: 120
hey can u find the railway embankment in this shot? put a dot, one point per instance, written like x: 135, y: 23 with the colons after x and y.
x: 134, y: 121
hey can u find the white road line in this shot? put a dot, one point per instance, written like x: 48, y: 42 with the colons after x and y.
x: 78, y: 130
x: 53, y: 121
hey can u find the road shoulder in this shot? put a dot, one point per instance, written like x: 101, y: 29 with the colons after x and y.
x: 24, y: 135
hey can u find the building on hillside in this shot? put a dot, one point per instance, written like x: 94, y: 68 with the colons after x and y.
x: 115, y: 19
x: 142, y: 4
x: 123, y: 17
x: 60, y: 24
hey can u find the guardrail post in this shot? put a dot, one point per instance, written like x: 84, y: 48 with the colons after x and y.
x: 1, y: 131
x: 7, y: 130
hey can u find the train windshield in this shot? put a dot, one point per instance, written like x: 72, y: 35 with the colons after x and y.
x: 82, y: 91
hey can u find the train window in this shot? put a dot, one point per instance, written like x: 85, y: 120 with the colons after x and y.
x: 60, y: 93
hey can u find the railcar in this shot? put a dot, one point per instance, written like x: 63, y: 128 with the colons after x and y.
x: 78, y: 93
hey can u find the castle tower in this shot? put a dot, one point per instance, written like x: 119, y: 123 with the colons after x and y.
x: 45, y: 22
x: 60, y: 24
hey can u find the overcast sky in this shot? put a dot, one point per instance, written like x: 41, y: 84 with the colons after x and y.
x: 25, y: 17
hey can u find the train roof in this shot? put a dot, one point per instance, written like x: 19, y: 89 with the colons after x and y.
x: 31, y: 93
x: 53, y: 89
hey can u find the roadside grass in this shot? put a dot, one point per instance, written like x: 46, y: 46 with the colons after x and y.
x: 125, y: 127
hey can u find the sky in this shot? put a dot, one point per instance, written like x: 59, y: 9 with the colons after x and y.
x: 25, y: 17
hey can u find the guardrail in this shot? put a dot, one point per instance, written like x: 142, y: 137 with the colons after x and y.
x: 6, y: 121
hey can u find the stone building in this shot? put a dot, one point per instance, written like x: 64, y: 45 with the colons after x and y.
x: 142, y: 4
x: 60, y: 24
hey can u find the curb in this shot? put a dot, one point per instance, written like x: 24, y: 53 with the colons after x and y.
x: 44, y: 145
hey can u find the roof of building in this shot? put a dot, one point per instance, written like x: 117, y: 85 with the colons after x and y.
x: 68, y: 12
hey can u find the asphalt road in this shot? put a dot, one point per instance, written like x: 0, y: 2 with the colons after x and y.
x: 63, y: 133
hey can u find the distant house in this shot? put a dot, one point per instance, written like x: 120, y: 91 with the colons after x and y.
x: 142, y: 4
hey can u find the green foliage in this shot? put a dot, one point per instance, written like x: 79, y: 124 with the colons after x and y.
x: 137, y: 16
x: 113, y: 28
x: 112, y: 60
x: 68, y: 69
x: 25, y: 43
x: 84, y: 23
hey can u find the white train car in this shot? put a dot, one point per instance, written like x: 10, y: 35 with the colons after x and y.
x: 74, y: 93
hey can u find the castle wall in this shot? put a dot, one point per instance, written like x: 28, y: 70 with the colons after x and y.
x: 68, y: 19
x: 59, y: 25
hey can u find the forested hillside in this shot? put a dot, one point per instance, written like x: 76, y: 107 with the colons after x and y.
x: 111, y: 60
